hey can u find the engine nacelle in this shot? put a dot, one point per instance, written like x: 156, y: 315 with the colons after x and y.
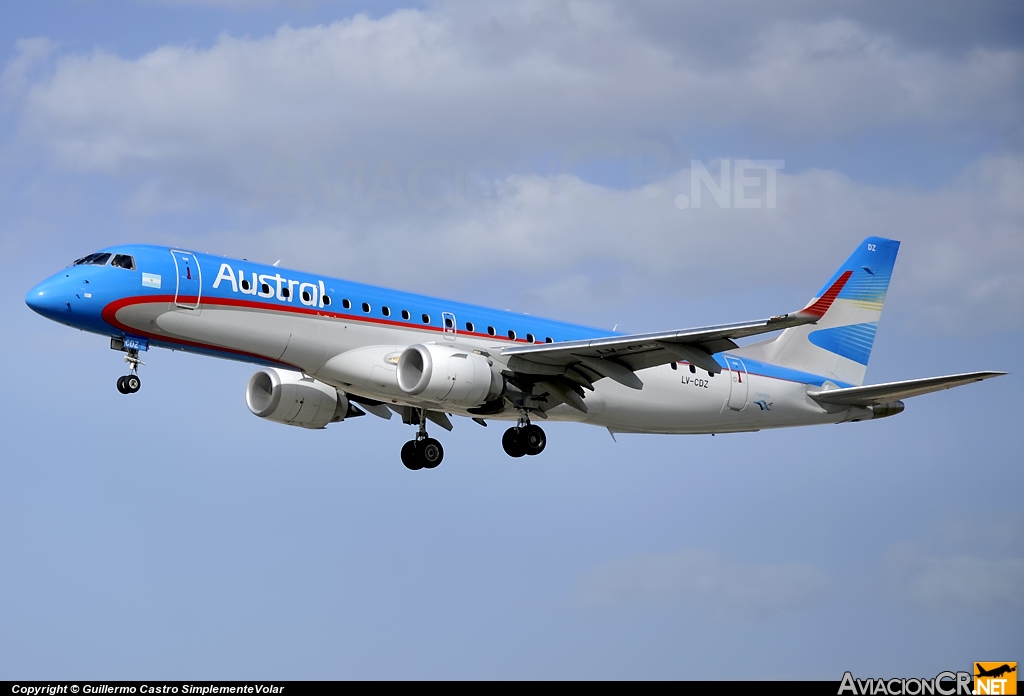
x: 448, y: 375
x: 287, y: 397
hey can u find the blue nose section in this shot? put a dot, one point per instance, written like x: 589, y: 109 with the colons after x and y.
x: 51, y: 299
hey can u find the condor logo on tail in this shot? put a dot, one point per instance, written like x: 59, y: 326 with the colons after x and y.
x: 991, y: 678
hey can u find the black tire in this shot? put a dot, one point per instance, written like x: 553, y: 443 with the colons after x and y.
x: 410, y: 456
x: 120, y: 385
x: 431, y: 453
x: 511, y: 443
x: 532, y: 439
x: 132, y: 383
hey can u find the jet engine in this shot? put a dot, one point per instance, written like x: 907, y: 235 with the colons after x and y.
x: 288, y: 397
x: 448, y: 375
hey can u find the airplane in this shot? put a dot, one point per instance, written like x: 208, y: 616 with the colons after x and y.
x: 330, y: 350
x: 995, y: 672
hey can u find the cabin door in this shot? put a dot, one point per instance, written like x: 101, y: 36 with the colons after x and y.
x: 190, y: 280
x: 738, y: 384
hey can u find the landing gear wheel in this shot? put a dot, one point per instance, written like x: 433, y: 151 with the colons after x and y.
x: 129, y: 383
x: 430, y: 452
x: 411, y: 456
x: 512, y: 443
x: 532, y: 439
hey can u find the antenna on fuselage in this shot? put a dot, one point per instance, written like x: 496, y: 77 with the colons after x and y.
x: 275, y: 263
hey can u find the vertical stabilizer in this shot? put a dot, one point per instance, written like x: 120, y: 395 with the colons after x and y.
x: 839, y: 344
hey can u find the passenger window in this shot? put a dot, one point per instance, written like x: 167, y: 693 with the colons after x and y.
x: 469, y: 327
x: 491, y: 331
x: 326, y: 300
x: 426, y: 318
x: 548, y: 340
x: 512, y: 334
x: 366, y: 307
x: 529, y: 338
x: 448, y: 323
x: 386, y: 311
x: 306, y: 297
x: 406, y: 315
x: 346, y: 304
x: 123, y: 261
x: 285, y: 293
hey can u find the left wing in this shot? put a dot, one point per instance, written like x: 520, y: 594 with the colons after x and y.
x: 618, y: 357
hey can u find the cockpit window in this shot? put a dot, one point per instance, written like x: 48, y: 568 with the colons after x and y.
x: 123, y: 261
x: 93, y: 260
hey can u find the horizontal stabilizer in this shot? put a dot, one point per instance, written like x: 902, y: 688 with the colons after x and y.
x: 874, y: 394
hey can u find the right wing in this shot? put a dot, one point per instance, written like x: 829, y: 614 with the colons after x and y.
x: 617, y: 357
x: 874, y: 394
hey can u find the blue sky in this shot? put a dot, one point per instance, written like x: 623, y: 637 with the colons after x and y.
x: 523, y: 155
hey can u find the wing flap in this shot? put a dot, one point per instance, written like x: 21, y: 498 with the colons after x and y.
x: 624, y: 346
x: 874, y: 394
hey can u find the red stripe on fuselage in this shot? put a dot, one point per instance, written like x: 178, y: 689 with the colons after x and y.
x: 109, y: 315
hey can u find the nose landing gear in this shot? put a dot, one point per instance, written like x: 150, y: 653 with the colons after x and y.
x: 130, y: 383
x: 424, y: 452
x: 524, y: 439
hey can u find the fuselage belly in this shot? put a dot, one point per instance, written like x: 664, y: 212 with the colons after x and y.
x: 673, y: 401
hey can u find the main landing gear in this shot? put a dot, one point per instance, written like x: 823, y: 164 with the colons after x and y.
x: 524, y: 439
x: 130, y: 383
x: 423, y: 452
x: 426, y: 453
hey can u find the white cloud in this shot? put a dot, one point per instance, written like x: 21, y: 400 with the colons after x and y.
x: 396, y: 150
x: 721, y: 587
x: 502, y: 80
x: 961, y: 266
x: 30, y: 54
x: 960, y: 583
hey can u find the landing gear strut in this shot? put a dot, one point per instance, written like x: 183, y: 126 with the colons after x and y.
x: 424, y: 452
x: 130, y: 383
x: 524, y: 439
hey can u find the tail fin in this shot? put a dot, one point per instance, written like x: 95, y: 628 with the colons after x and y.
x: 839, y: 344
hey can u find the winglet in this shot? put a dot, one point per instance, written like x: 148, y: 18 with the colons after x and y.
x: 818, y: 308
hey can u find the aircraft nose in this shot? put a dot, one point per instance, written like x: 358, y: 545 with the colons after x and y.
x: 49, y: 299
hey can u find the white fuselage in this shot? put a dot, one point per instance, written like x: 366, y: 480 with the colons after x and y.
x: 359, y: 358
